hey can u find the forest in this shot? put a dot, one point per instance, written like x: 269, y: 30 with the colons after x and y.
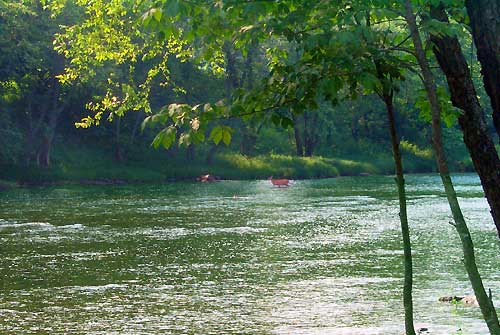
x: 141, y: 92
x: 62, y: 62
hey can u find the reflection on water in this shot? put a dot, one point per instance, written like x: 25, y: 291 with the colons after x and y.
x: 321, y: 257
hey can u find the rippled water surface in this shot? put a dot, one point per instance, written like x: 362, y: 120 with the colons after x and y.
x: 321, y: 257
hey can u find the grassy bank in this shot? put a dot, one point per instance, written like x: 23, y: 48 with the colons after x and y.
x: 87, y: 164
x: 225, y: 165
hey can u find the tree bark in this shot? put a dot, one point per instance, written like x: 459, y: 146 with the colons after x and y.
x: 50, y: 116
x: 232, y: 81
x: 299, y: 147
x: 463, y: 95
x: 36, y: 119
x: 248, y: 140
x: 248, y: 76
x: 43, y: 155
x: 403, y: 216
x: 310, y: 135
x: 49, y: 128
x: 485, y: 303
x: 485, y: 23
x: 211, y: 154
x: 248, y: 134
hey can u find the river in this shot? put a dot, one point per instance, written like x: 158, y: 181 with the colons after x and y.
x: 237, y: 257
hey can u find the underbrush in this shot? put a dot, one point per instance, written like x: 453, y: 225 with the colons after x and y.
x: 78, y: 163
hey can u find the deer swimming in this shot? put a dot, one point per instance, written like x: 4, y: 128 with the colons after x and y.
x: 279, y: 182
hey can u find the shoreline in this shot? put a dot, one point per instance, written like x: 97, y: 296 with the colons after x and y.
x: 9, y: 184
x: 226, y: 167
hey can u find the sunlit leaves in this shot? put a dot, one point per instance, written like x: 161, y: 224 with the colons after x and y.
x: 111, y: 42
x: 107, y: 34
x: 221, y: 133
x: 321, y: 50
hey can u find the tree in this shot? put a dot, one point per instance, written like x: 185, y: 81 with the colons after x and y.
x: 31, y: 65
x: 485, y: 23
x: 463, y: 95
x: 485, y: 302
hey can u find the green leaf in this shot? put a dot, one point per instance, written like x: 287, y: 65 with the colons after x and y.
x: 198, y: 137
x: 145, y: 123
x: 221, y: 133
x: 226, y: 137
x: 165, y: 138
x: 158, y: 139
x: 169, y: 137
x: 216, y: 134
x: 157, y: 14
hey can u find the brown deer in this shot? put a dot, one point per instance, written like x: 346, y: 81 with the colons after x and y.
x: 279, y: 182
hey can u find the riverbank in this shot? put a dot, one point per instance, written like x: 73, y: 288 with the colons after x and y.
x: 88, y: 168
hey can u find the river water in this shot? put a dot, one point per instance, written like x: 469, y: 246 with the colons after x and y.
x: 237, y: 257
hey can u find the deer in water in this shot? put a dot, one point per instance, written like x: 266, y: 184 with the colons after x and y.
x: 207, y: 178
x: 279, y: 182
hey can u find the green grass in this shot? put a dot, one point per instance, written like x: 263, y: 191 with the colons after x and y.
x: 235, y: 166
x: 77, y: 163
x: 226, y: 165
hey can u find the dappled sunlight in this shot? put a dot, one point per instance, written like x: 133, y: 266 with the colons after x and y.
x: 319, y: 257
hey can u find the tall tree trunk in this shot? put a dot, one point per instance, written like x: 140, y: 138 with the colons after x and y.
x: 310, y: 133
x: 43, y: 156
x: 247, y: 78
x: 403, y: 216
x: 211, y: 154
x: 52, y: 112
x: 387, y: 96
x: 485, y: 302
x: 49, y: 130
x: 485, y: 23
x: 307, y: 136
x: 248, y: 128
x: 248, y: 141
x: 30, y: 145
x: 354, y: 125
x: 463, y: 95
x: 36, y: 119
x: 299, y: 147
x: 232, y: 81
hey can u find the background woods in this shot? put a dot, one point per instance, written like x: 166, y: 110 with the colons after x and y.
x: 98, y: 58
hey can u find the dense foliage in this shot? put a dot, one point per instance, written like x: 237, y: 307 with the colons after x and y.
x: 124, y: 61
